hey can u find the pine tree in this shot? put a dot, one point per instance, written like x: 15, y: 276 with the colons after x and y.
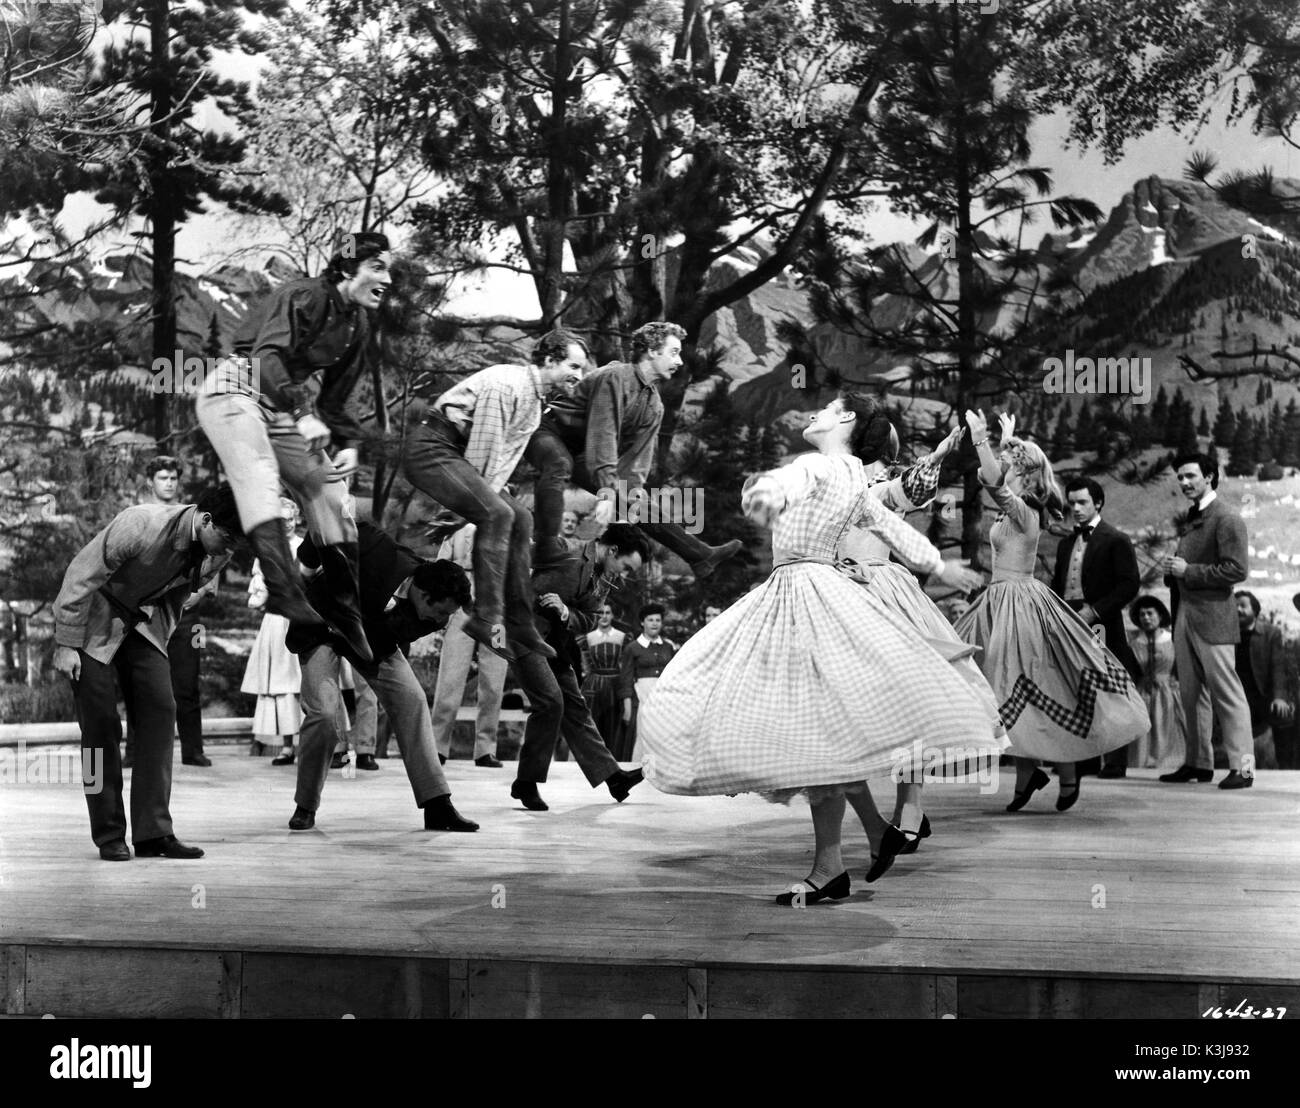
x: 1263, y: 444
x: 1289, y: 455
x: 1178, y: 408
x: 1084, y: 433
x: 1203, y: 425
x: 1225, y: 424
x: 1275, y: 429
x: 1063, y: 436
x: 1243, y: 461
x: 1260, y: 395
x: 1159, y: 416
x: 1187, y: 442
x: 1139, y: 429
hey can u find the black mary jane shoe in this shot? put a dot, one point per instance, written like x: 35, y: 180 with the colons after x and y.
x: 914, y: 845
x: 1065, y: 802
x: 837, y: 888
x: 896, y: 840
x: 1037, y: 781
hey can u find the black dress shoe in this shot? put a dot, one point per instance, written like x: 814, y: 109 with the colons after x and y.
x: 623, y: 781
x: 441, y: 815
x: 338, y: 761
x: 197, y: 760
x: 1037, y: 781
x: 366, y: 761
x: 1184, y: 774
x: 282, y: 760
x: 169, y: 846
x: 1065, y: 800
x: 837, y: 888
x: 487, y: 761
x: 526, y: 793
x: 1236, y: 780
x: 1110, y: 773
x: 914, y: 845
x: 116, y: 851
x: 890, y: 847
x: 302, y: 820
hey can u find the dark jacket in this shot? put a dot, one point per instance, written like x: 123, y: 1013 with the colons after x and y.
x: 300, y: 328
x: 384, y: 565
x: 577, y: 581
x: 1109, y: 576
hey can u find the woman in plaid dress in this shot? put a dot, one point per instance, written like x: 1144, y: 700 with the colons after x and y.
x: 1062, y: 695
x: 808, y: 682
x: 865, y: 557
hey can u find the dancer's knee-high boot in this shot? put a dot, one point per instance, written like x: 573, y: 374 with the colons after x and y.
x: 340, y: 565
x: 284, y: 595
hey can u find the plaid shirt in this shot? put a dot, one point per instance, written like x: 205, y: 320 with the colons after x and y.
x: 498, y: 408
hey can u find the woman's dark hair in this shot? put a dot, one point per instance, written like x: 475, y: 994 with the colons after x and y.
x: 874, y: 438
x: 1152, y: 602
x: 555, y: 344
x: 1075, y: 484
x: 443, y: 580
x: 355, y: 249
x: 220, y: 504
x: 650, y: 610
x: 623, y: 538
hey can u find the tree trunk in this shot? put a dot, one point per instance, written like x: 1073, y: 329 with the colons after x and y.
x: 162, y: 211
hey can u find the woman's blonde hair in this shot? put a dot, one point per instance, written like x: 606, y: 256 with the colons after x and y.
x: 1038, y: 480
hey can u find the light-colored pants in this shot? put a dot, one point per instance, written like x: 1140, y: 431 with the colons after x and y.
x: 1212, y: 666
x: 259, y: 447
x: 453, y: 669
x: 402, y: 696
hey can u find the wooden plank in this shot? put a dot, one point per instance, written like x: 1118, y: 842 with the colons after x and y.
x: 826, y: 994
x: 232, y: 985
x: 535, y: 990
x: 13, y: 980
x: 458, y: 989
x: 123, y: 983
x: 297, y: 986
x: 697, y: 993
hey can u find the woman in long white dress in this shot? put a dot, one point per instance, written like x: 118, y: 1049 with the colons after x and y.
x: 1063, y: 696
x: 808, y: 682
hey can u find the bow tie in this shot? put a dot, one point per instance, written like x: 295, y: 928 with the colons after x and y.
x: 1084, y: 530
x: 1194, y: 513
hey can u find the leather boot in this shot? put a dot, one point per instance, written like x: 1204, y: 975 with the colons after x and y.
x: 341, y: 573
x: 283, y: 585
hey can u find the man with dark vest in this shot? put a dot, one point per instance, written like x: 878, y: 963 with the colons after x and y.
x: 1096, y: 574
x: 120, y: 602
x: 1210, y: 561
x: 433, y: 591
x: 569, y: 594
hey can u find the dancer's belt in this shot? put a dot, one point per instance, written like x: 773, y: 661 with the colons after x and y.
x: 436, y: 421
x: 792, y: 561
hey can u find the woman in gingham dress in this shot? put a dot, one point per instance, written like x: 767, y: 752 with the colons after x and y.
x: 1062, y: 695
x: 808, y: 682
x: 865, y: 557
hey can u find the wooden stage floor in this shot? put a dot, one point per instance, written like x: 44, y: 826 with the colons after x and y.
x: 1145, y: 901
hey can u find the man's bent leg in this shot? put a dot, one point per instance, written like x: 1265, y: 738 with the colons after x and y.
x: 453, y: 670
x: 579, y: 731
x: 491, y: 688
x: 322, y: 701
x: 548, y: 455
x: 183, y: 657
x: 542, y: 730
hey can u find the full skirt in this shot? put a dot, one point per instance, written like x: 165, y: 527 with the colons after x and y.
x: 808, y: 680
x: 1062, y: 695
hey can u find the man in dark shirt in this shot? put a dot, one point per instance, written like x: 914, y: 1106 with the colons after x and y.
x: 1261, y: 665
x: 604, y: 432
x: 569, y: 595
x: 257, y: 411
x: 435, y: 591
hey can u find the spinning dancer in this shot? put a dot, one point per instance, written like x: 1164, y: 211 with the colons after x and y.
x: 469, y: 442
x: 864, y: 555
x: 1063, y: 696
x: 568, y: 597
x: 257, y: 412
x: 434, y: 591
x: 611, y: 423
x: 808, y: 682
x: 119, y: 604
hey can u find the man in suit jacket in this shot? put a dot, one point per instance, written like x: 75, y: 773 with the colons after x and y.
x: 569, y: 595
x: 119, y: 604
x: 1210, y: 561
x: 434, y: 591
x: 1096, y: 574
x: 1261, y: 659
